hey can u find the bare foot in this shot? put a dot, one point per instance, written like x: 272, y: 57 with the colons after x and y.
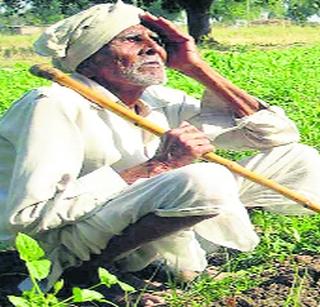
x: 152, y: 300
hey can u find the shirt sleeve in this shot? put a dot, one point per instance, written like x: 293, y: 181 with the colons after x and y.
x: 264, y: 129
x: 47, y: 189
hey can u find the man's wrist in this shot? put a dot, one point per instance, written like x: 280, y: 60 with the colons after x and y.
x: 156, y: 167
x: 159, y: 164
x: 193, y: 69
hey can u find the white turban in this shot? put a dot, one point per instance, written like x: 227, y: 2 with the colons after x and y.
x: 72, y: 40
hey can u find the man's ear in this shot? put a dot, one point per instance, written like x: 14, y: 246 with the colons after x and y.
x: 87, y: 68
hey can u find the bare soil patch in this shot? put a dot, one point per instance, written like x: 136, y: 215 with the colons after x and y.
x: 286, y: 285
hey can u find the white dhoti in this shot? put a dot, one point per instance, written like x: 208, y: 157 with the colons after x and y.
x: 197, y: 189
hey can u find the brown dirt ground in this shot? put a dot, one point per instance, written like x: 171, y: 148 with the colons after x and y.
x: 277, y: 287
x: 273, y: 291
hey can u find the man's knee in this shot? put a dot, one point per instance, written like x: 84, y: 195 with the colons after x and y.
x: 211, y: 177
x: 303, y: 156
x: 307, y: 153
x: 300, y: 150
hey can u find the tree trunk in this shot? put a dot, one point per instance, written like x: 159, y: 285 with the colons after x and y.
x: 198, y: 17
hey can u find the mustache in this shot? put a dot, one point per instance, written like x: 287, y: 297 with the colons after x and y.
x: 143, y: 61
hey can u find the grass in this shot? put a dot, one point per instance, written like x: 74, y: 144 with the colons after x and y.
x: 276, y: 35
x: 15, y: 81
x: 279, y: 64
x: 18, y: 48
x: 15, y: 40
x: 281, y: 238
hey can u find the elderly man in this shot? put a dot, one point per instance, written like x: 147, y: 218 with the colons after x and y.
x: 83, y: 181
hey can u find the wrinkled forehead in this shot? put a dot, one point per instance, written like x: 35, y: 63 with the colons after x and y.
x: 135, y: 30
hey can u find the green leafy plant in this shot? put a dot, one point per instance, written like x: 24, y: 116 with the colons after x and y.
x: 39, y: 268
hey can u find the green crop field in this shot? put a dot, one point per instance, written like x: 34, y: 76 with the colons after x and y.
x: 280, y: 68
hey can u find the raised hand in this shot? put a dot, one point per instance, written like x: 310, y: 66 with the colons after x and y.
x: 181, y: 48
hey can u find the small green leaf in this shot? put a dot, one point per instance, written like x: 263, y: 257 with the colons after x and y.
x: 28, y: 294
x: 18, y: 301
x: 28, y: 248
x: 76, y: 293
x: 51, y: 300
x: 107, y: 278
x: 58, y: 286
x: 125, y: 287
x: 39, y: 269
x: 85, y: 295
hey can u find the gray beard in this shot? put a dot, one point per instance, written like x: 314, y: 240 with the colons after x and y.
x: 144, y: 78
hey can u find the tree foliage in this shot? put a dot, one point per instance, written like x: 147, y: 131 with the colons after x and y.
x: 198, y: 12
x: 300, y: 10
x: 232, y: 10
x: 13, y: 6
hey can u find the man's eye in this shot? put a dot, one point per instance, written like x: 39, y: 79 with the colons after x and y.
x: 133, y: 38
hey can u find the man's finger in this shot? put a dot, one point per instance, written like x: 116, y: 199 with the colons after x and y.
x: 198, y: 143
x: 197, y: 137
x: 187, y: 128
x: 186, y: 124
x: 164, y: 28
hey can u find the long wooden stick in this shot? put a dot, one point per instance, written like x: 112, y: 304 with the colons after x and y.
x: 45, y: 71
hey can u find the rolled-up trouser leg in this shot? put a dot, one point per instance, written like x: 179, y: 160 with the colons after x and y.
x: 294, y: 166
x: 209, y: 185
x: 196, y: 190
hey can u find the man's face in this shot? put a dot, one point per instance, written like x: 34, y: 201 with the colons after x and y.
x: 133, y: 57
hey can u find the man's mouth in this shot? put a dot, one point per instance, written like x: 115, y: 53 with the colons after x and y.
x: 151, y: 64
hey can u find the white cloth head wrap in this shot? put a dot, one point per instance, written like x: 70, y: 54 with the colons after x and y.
x: 72, y: 40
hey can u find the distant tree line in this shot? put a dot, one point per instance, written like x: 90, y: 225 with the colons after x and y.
x: 199, y: 12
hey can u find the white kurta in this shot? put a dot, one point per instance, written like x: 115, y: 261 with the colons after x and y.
x: 59, y: 161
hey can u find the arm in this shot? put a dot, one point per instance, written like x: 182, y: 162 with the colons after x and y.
x: 179, y: 147
x: 228, y: 115
x: 183, y: 56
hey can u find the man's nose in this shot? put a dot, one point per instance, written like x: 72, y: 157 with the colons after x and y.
x: 151, y: 51
x: 151, y: 47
